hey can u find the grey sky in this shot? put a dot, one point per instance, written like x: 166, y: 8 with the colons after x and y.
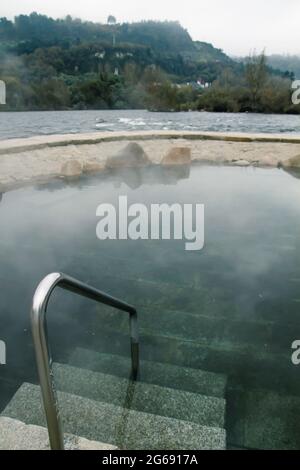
x: 236, y: 26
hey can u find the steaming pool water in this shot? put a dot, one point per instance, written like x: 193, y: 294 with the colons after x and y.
x: 231, y: 308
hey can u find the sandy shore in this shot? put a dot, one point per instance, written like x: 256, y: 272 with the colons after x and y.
x: 43, y: 157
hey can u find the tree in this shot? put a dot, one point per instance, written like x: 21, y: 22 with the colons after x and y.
x: 6, y: 28
x: 256, y: 75
x: 111, y: 20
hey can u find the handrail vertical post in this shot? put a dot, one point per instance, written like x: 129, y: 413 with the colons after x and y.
x: 134, y: 338
x: 44, y: 366
x: 42, y: 352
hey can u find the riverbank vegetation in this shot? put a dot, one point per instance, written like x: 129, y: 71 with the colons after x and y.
x: 71, y: 64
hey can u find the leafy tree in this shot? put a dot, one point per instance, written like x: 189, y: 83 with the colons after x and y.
x: 111, y: 20
x: 256, y: 75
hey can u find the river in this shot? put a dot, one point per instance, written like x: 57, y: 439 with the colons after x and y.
x: 27, y: 124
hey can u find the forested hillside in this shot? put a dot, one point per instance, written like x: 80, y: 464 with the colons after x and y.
x: 286, y: 62
x: 71, y: 64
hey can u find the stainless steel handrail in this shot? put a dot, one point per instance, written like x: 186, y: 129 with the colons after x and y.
x: 40, y: 339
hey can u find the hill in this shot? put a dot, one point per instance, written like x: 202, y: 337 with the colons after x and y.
x: 67, y: 63
x: 164, y: 44
x: 284, y: 63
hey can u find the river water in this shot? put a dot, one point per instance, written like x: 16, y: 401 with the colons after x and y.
x: 26, y: 124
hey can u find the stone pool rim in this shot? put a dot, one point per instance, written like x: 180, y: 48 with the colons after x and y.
x: 41, y: 158
x: 57, y: 140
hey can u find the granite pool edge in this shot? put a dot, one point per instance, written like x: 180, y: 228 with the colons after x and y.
x: 56, y: 140
x: 42, y: 158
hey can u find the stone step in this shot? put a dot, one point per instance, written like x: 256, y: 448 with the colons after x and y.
x: 104, y: 422
x: 241, y: 335
x: 265, y: 369
x: 166, y: 375
x: 142, y: 293
x: 204, y: 299
x: 263, y: 419
x: 140, y: 396
x: 197, y: 273
x: 205, y: 272
x: 15, y: 435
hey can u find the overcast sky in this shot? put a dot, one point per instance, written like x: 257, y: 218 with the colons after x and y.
x: 236, y: 26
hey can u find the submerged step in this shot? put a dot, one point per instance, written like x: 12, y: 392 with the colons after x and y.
x: 126, y: 429
x: 149, y: 398
x: 15, y: 435
x: 241, y: 335
x: 166, y: 375
x: 212, y: 301
x: 262, y: 367
x: 199, y: 273
x: 270, y: 420
x: 142, y: 293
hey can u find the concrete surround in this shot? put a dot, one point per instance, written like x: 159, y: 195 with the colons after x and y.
x: 16, y: 435
x: 40, y: 158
